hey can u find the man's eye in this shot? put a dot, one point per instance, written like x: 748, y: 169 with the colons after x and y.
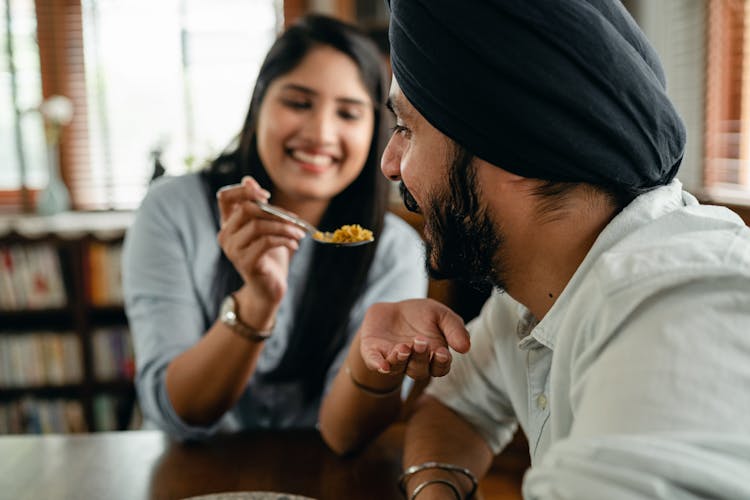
x: 400, y: 130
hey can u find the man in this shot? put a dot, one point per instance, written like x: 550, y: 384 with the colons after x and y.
x: 537, y: 140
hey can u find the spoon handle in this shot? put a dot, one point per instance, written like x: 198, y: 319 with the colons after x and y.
x: 283, y: 214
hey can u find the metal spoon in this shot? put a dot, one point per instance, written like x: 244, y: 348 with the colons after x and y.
x: 316, y: 234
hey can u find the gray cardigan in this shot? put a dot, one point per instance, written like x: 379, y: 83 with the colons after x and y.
x: 169, y: 259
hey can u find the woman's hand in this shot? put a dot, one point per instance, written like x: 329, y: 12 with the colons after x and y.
x: 257, y: 244
x: 412, y: 337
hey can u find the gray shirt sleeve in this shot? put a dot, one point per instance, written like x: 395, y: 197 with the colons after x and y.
x: 169, y: 258
x: 165, y: 313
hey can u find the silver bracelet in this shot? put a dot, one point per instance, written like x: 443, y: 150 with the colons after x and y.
x: 376, y: 393
x: 438, y: 465
x: 424, y: 485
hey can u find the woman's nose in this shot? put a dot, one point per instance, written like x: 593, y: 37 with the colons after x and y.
x: 390, y: 162
x: 320, y: 127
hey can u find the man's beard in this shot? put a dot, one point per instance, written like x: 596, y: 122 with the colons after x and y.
x: 460, y: 239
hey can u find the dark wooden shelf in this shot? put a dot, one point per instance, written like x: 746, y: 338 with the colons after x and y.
x: 79, y: 318
x: 43, y: 392
x: 35, y: 319
x: 116, y: 386
x: 107, y: 314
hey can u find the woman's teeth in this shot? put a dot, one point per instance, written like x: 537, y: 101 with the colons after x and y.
x: 314, y: 159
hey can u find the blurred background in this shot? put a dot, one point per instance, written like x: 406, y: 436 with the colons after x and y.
x: 136, y: 89
x: 169, y: 82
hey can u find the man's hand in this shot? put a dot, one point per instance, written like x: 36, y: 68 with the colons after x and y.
x: 412, y: 337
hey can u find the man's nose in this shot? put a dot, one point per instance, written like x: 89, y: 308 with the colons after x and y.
x: 390, y: 162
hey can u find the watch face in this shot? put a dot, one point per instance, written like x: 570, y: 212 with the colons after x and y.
x: 228, y: 314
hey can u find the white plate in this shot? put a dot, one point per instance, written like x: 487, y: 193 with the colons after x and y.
x: 249, y: 495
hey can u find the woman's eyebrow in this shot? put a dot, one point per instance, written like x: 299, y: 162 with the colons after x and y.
x: 352, y: 100
x: 299, y: 88
x: 311, y: 92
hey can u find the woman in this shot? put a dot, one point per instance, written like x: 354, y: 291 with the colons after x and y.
x: 248, y: 329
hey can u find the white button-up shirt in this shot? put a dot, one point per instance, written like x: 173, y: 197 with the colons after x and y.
x: 636, y: 384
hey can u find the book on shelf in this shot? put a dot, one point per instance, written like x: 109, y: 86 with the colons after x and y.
x: 31, y: 277
x: 104, y: 284
x: 105, y: 413
x: 60, y: 281
x: 42, y: 416
x: 112, y: 350
x: 37, y: 359
x: 113, y: 413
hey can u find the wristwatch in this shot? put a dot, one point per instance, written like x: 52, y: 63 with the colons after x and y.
x: 229, y: 316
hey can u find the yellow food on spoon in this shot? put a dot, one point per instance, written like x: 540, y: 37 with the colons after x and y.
x: 349, y: 233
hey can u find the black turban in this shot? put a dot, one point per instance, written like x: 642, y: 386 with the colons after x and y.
x: 560, y: 90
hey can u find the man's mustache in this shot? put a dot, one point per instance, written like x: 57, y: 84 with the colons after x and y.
x: 409, y: 202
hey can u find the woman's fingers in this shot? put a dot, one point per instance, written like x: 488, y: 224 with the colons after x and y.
x: 247, y: 190
x: 241, y: 229
x: 247, y: 242
x: 251, y: 184
x: 257, y: 229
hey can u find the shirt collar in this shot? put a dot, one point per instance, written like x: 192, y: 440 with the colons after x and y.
x: 644, y: 209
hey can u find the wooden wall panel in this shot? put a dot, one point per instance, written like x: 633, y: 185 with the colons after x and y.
x: 60, y: 35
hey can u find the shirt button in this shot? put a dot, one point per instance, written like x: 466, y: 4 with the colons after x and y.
x: 541, y: 402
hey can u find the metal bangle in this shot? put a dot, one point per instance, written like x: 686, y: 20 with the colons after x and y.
x: 425, y: 484
x: 376, y: 393
x: 438, y: 465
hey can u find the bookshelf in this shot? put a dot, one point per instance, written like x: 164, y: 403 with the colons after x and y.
x: 66, y: 362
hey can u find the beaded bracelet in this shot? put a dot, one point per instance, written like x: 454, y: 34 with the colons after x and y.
x: 438, y: 465
x: 376, y: 393
x: 424, y: 485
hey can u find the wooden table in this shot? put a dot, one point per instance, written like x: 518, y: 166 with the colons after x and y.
x: 147, y: 464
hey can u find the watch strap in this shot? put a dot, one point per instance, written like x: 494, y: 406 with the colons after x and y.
x: 250, y: 333
x: 243, y: 329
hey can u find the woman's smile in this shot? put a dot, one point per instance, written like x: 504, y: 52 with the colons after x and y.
x: 312, y: 161
x: 315, y: 127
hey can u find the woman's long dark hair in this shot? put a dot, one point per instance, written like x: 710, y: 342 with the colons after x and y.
x: 337, y: 278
